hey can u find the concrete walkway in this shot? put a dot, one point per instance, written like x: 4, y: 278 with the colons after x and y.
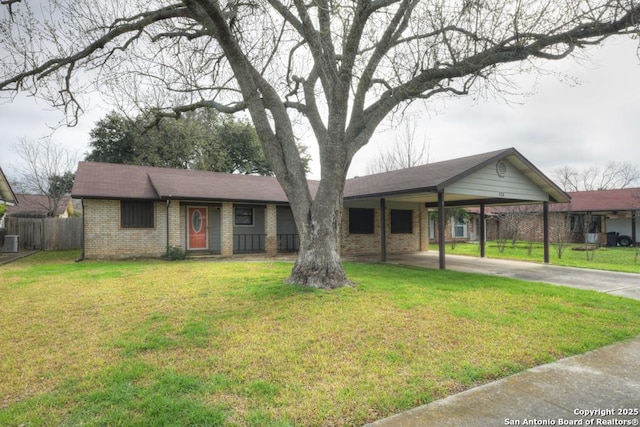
x: 601, y: 387
x: 7, y: 257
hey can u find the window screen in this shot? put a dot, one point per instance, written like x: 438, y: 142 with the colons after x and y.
x: 401, y: 221
x: 361, y: 221
x: 136, y: 214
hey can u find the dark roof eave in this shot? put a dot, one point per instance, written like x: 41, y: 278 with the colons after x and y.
x: 180, y: 198
x: 430, y: 189
x: 218, y: 200
x: 94, y: 197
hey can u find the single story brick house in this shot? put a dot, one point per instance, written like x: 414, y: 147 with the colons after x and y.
x: 140, y: 211
x: 591, y: 217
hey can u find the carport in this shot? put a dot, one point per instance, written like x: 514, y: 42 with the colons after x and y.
x: 498, y: 178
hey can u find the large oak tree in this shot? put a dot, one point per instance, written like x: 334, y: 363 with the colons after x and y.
x: 338, y: 67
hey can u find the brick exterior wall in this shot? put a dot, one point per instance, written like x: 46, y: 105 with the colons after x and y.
x: 396, y: 243
x: 532, y: 229
x: 104, y: 238
x: 360, y: 243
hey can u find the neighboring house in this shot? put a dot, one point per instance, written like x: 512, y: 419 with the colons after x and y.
x: 7, y: 196
x: 6, y: 193
x: 38, y: 206
x: 592, y: 217
x: 594, y: 214
x: 140, y: 211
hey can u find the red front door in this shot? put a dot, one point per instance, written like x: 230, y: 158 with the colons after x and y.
x: 197, y: 228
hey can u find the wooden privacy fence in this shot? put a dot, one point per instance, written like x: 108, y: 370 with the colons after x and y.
x: 49, y: 234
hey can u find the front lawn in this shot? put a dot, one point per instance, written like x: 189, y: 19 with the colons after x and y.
x: 227, y: 343
x: 602, y: 258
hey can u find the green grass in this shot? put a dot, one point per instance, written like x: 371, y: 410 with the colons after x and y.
x: 604, y: 258
x: 228, y: 343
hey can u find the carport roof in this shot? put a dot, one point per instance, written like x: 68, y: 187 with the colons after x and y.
x: 426, y: 181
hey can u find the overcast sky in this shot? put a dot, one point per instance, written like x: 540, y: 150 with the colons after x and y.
x: 560, y: 123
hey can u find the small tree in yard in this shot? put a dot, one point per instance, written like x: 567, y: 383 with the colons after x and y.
x: 337, y: 68
x: 45, y: 168
x: 512, y: 221
x: 561, y: 230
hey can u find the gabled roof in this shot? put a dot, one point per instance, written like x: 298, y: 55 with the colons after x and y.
x: 36, y: 205
x: 117, y: 181
x: 6, y: 193
x: 434, y: 177
x: 605, y: 200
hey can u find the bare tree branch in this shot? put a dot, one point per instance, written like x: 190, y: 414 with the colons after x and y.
x: 340, y: 68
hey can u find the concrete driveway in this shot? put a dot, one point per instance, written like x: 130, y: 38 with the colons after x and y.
x: 622, y: 284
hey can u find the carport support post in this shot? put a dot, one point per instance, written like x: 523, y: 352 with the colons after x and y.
x: 383, y: 230
x: 482, y: 231
x: 441, y: 233
x: 545, y: 221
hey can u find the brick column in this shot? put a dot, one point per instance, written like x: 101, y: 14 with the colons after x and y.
x: 226, y: 229
x: 174, y: 225
x: 271, y: 229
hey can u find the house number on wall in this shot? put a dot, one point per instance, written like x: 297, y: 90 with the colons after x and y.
x: 500, y: 194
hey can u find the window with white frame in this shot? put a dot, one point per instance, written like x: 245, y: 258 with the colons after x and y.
x: 459, y: 227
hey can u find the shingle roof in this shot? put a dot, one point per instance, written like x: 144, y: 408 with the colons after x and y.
x: 35, y: 205
x: 605, y: 200
x: 190, y: 184
x: 116, y: 181
x: 429, y: 177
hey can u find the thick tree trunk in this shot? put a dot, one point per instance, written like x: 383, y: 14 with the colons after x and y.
x: 318, y: 264
x: 319, y: 227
